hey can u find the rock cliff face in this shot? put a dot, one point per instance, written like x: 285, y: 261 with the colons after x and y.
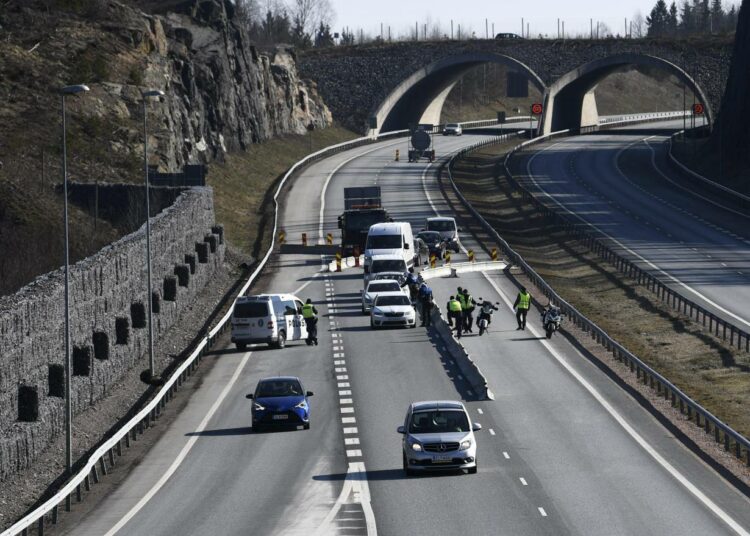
x: 221, y: 93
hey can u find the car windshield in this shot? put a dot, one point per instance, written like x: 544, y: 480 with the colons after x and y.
x: 390, y: 265
x: 385, y: 301
x: 251, y: 309
x: 438, y: 422
x: 274, y: 388
x: 441, y: 225
x: 430, y: 237
x: 391, y: 241
x: 383, y: 287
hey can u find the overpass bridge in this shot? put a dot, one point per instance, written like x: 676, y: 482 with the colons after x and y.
x: 383, y: 87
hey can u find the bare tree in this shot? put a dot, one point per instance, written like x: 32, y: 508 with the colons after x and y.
x: 311, y: 13
x: 639, y: 25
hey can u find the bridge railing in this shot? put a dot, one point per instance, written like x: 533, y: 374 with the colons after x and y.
x: 103, y: 457
x: 712, y: 425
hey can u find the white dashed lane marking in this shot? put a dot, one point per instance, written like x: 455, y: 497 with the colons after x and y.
x: 523, y: 481
x: 348, y: 420
x: 541, y: 511
x: 506, y: 455
x: 492, y: 432
x: 479, y: 410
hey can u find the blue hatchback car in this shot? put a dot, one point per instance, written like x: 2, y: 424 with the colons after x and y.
x: 280, y: 401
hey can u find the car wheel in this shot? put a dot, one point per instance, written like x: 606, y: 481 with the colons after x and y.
x: 281, y: 343
x: 372, y: 324
x: 364, y: 311
x: 306, y: 426
x: 241, y: 346
x: 473, y: 470
x: 409, y: 472
x: 258, y: 428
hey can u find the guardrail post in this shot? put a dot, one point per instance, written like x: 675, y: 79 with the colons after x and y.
x: 95, y: 473
x: 104, y: 465
x: 40, y: 526
x: 87, y: 482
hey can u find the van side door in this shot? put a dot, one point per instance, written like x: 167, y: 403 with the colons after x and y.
x: 301, y: 320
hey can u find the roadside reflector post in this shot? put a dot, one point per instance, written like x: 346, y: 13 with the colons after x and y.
x: 447, y: 258
x: 397, y: 154
x: 356, y: 257
x: 493, y: 254
x: 433, y: 261
x: 471, y: 255
x: 329, y: 239
x: 304, y: 239
x: 282, y: 237
x: 338, y: 260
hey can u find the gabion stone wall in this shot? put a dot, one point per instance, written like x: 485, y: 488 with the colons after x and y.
x: 108, y: 327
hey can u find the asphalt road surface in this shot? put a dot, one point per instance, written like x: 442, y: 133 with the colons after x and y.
x: 621, y: 184
x: 564, y: 450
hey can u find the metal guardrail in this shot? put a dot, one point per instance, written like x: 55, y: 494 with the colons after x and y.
x: 104, y: 456
x: 722, y: 433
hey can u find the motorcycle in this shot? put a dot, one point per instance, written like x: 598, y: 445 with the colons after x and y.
x: 484, y: 320
x: 551, y: 319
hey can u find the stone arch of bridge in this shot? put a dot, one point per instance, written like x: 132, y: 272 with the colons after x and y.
x: 570, y: 102
x: 420, y: 97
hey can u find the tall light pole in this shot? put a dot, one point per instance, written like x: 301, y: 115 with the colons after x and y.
x: 67, y: 90
x: 145, y: 96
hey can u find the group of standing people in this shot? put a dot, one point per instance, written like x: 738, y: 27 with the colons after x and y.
x: 461, y: 311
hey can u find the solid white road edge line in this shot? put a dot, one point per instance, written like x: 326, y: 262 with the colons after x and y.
x: 620, y: 244
x: 645, y: 445
x: 321, y: 237
x: 183, y: 453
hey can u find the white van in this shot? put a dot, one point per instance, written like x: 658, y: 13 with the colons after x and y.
x: 448, y: 229
x: 267, y: 318
x: 393, y: 238
x: 386, y: 267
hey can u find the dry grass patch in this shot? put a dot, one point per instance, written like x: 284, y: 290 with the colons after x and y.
x: 708, y: 370
x: 242, y: 184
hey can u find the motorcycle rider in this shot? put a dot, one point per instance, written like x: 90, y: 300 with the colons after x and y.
x: 485, y: 310
x: 412, y: 281
x: 550, y: 314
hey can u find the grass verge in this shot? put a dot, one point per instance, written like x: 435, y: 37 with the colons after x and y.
x: 709, y: 371
x: 243, y: 184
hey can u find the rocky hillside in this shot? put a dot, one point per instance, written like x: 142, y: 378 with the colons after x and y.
x: 222, y: 95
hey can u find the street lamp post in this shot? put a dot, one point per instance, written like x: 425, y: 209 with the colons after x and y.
x: 154, y: 93
x: 67, y: 90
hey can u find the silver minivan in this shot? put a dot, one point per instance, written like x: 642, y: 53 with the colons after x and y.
x: 438, y: 435
x: 273, y: 319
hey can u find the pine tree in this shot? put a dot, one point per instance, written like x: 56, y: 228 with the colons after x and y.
x: 657, y: 21
x: 300, y: 37
x: 717, y: 16
x: 323, y: 37
x: 672, y: 20
x: 687, y: 24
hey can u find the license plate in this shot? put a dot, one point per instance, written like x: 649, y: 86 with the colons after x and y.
x: 442, y: 459
x: 280, y: 417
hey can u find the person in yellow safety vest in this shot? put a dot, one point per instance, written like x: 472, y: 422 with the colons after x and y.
x: 454, y: 314
x: 310, y: 314
x: 522, y: 305
x: 467, y: 306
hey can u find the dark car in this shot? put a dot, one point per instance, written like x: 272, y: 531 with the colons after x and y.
x: 434, y: 241
x: 280, y: 401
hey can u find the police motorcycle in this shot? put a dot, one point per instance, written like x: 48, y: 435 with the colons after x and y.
x: 551, y: 320
x: 485, y: 315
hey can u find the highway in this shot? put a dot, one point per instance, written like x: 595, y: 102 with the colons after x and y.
x: 619, y: 183
x: 563, y: 450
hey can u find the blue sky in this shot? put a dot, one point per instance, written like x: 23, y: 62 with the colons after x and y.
x: 541, y: 14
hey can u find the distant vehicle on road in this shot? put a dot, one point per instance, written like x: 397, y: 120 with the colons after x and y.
x: 420, y: 144
x: 392, y: 238
x: 452, y: 129
x: 508, y: 36
x: 438, y: 435
x: 280, y: 401
x: 386, y: 267
x: 448, y: 229
x: 393, y: 309
x: 435, y: 242
x: 375, y: 288
x: 273, y: 319
x: 362, y: 210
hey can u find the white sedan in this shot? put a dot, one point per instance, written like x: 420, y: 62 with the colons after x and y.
x: 393, y: 309
x: 375, y: 288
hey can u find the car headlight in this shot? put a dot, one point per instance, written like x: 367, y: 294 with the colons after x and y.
x: 301, y: 405
x: 465, y: 444
x: 416, y: 447
x: 258, y: 407
x: 368, y: 298
x: 377, y: 312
